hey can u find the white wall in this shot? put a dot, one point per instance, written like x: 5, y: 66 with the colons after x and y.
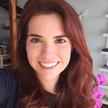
x: 94, y: 25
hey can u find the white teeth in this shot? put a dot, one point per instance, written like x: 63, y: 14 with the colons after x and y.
x: 49, y: 64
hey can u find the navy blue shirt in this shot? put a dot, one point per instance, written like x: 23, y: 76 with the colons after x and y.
x: 52, y: 98
x: 8, y: 89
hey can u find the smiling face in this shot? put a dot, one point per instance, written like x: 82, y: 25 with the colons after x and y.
x: 48, y: 48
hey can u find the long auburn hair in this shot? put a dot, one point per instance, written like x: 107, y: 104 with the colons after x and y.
x: 76, y: 82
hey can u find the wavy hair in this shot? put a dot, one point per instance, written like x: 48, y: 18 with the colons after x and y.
x: 75, y: 84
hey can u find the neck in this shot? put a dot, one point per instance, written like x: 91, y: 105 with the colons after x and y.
x: 49, y: 84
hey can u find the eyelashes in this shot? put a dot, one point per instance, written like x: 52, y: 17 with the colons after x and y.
x: 60, y: 41
x: 35, y: 40
x: 38, y: 40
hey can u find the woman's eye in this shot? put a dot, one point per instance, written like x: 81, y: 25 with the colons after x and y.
x: 60, y: 41
x: 35, y: 40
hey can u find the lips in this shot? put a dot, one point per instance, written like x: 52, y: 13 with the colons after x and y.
x: 48, y: 65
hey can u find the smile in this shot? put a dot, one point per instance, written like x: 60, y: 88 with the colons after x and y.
x: 48, y: 65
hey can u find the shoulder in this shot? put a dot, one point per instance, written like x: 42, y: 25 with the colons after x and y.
x: 7, y: 77
x: 7, y: 83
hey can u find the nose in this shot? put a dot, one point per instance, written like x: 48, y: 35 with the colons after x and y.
x: 48, y: 52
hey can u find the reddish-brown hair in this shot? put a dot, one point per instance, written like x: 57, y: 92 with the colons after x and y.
x: 75, y: 84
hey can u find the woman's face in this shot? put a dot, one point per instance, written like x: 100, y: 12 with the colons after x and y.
x: 48, y: 48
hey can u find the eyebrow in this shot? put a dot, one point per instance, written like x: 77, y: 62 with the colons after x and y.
x: 36, y: 35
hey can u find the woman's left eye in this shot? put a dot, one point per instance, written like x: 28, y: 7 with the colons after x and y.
x: 60, y: 41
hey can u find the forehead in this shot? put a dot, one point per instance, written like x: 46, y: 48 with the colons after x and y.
x: 46, y: 24
x: 47, y: 15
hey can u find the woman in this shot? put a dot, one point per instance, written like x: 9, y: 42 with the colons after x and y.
x: 54, y: 64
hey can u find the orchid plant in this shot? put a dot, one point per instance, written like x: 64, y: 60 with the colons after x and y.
x: 98, y: 93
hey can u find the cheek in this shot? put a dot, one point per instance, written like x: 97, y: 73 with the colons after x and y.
x: 65, y: 52
x: 31, y: 53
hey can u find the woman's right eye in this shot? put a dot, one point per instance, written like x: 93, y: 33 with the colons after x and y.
x: 35, y: 40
